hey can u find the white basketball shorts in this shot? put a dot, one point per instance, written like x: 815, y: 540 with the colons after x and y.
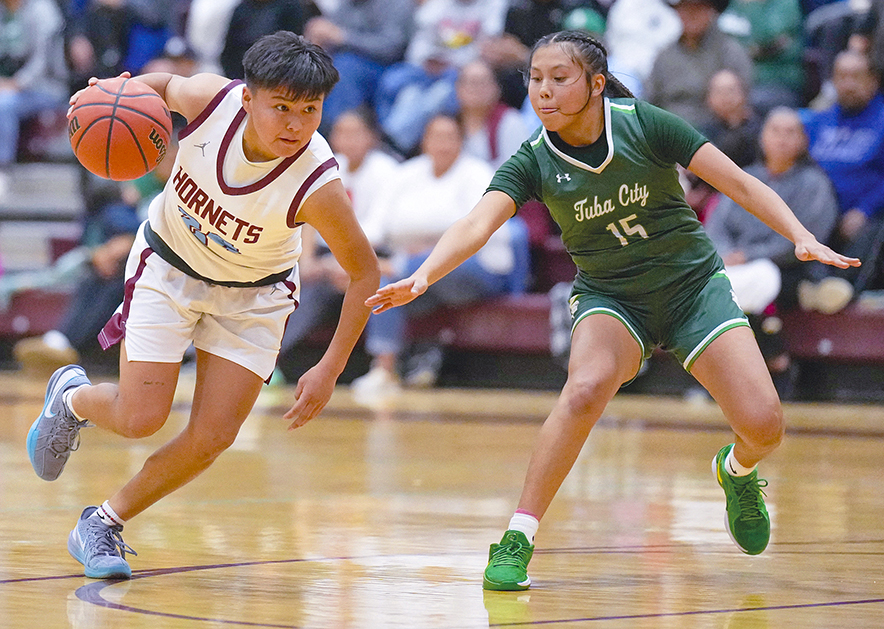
x: 165, y: 310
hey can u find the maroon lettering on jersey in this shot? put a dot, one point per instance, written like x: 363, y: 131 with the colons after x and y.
x: 198, y: 200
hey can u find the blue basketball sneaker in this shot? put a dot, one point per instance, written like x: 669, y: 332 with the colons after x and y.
x: 99, y: 547
x: 56, y: 433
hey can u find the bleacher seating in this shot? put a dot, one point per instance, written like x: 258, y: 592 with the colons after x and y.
x: 854, y: 335
x: 516, y: 328
x: 32, y: 312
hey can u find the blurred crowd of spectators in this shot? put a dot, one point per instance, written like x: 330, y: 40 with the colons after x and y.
x: 789, y: 89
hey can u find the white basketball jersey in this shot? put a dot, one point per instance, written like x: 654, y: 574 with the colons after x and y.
x: 229, y: 219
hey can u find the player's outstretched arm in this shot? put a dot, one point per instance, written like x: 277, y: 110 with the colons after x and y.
x: 457, y: 244
x: 329, y: 211
x: 714, y: 167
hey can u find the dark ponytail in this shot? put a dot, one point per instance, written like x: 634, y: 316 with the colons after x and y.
x: 588, y: 52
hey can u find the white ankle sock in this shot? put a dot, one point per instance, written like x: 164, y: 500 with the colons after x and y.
x: 107, y: 515
x: 524, y: 523
x: 67, y: 398
x: 734, y: 468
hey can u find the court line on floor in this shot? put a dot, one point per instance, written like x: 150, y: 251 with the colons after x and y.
x: 703, y: 612
x: 91, y: 593
x: 780, y: 547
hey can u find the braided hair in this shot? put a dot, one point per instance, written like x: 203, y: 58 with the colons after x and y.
x: 589, y: 53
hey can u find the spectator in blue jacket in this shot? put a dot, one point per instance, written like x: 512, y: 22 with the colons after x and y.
x: 847, y: 140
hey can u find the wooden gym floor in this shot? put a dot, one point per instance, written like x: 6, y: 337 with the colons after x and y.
x: 375, y: 518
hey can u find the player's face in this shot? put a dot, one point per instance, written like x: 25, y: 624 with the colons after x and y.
x: 278, y: 126
x: 560, y: 93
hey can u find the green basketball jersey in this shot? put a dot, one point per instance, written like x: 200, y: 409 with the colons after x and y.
x: 618, y: 202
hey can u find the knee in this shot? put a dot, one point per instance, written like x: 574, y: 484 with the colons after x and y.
x: 139, y: 420
x: 206, y: 446
x: 584, y: 392
x: 766, y: 426
x: 143, y: 424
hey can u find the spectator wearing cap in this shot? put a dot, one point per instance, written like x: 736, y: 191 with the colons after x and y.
x: 177, y: 58
x: 704, y: 49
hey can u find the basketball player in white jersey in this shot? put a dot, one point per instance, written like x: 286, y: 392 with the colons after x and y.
x: 215, y: 265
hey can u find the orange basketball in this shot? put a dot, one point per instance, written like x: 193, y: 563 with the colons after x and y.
x: 120, y: 129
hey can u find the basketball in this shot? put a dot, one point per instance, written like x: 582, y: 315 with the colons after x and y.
x: 119, y: 129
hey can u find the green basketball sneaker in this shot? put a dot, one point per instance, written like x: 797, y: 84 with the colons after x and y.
x: 508, y: 563
x: 746, y: 519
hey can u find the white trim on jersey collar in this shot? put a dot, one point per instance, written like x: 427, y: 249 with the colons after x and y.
x: 576, y: 162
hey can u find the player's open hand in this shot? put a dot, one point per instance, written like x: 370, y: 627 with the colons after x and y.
x: 814, y: 250
x: 92, y: 81
x: 397, y: 293
x: 312, y: 393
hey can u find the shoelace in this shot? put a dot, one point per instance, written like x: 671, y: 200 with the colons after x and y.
x: 66, y: 436
x: 107, y: 540
x: 749, y: 498
x: 510, y: 554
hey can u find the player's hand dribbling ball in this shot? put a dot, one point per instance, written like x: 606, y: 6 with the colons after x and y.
x: 119, y: 128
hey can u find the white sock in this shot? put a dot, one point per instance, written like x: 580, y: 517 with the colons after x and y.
x: 67, y: 398
x: 524, y: 523
x: 733, y: 467
x: 107, y: 515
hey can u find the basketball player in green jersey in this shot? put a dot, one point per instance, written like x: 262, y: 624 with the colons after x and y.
x: 648, y: 277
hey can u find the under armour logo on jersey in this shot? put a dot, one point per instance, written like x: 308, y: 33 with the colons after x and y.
x: 565, y: 177
x: 201, y: 147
